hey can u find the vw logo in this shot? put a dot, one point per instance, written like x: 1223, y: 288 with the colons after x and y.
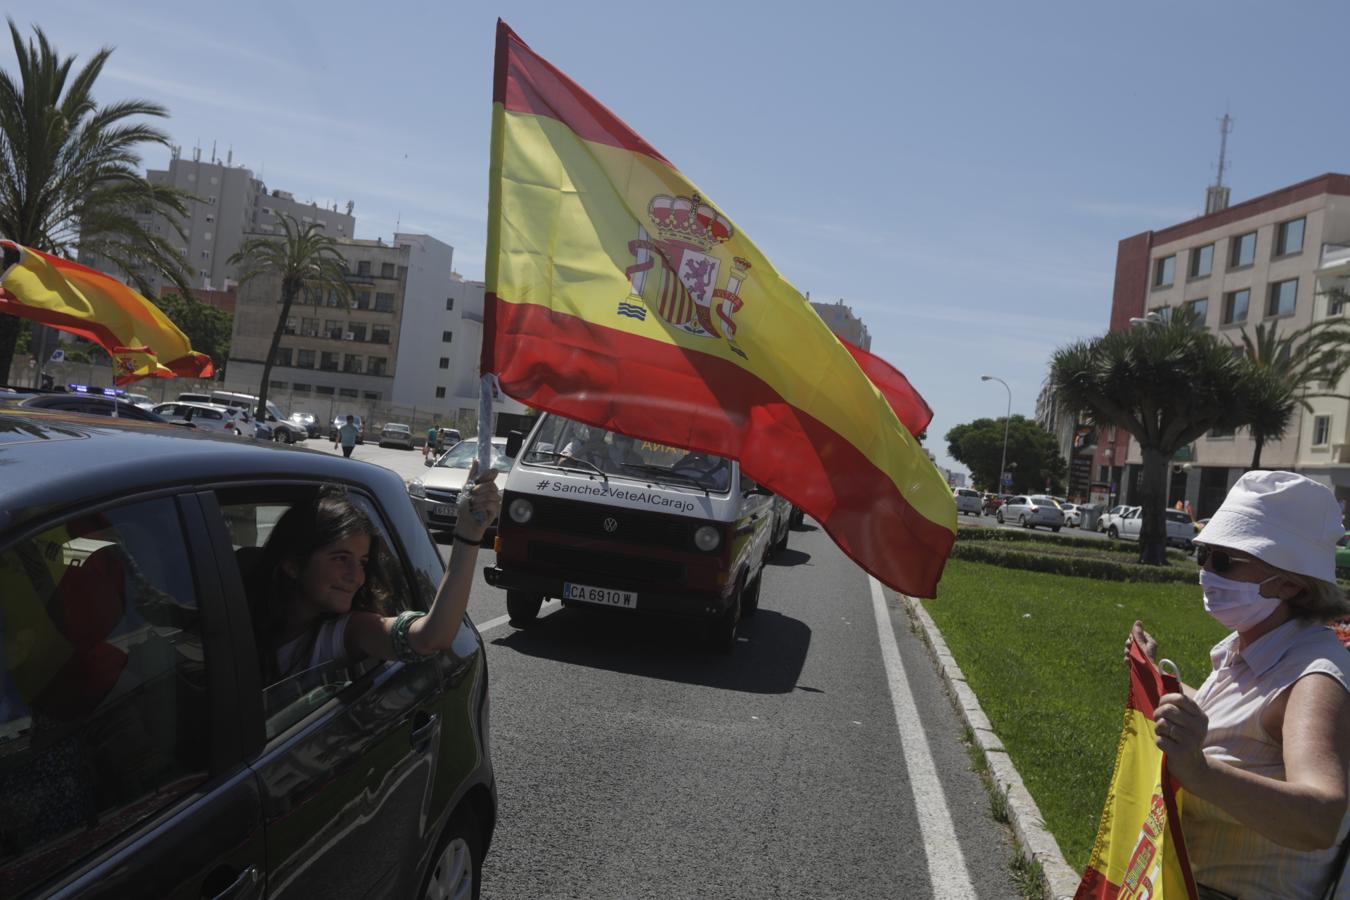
x: 611, y: 524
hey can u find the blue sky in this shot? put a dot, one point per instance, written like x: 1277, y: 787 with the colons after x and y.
x: 959, y: 173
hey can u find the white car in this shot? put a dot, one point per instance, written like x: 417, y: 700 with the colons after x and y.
x: 968, y: 501
x: 1073, y: 514
x: 396, y: 435
x: 1180, y: 528
x: 209, y: 417
x: 1112, y: 517
x: 1032, y: 511
x: 435, y: 493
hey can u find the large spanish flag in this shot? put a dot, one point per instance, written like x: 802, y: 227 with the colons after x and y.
x: 1140, y: 853
x: 141, y: 340
x: 620, y: 295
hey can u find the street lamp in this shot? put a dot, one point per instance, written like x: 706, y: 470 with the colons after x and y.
x: 1152, y: 318
x: 1002, y: 463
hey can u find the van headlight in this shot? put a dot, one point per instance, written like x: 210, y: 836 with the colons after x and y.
x: 521, y: 511
x: 417, y: 489
x: 707, y: 538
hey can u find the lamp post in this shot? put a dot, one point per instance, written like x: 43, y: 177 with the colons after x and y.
x: 1003, y: 462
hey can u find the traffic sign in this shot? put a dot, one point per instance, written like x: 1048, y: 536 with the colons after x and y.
x: 58, y: 355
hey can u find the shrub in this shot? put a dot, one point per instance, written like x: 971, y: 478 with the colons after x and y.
x: 1006, y: 535
x: 1075, y: 564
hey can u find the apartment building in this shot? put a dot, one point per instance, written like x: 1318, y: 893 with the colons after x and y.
x: 1274, y: 260
x: 229, y: 205
x: 843, y: 322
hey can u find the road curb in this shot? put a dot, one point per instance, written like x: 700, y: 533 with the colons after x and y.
x: 1061, y: 881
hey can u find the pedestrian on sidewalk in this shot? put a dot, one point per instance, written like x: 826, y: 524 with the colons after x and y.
x: 1262, y: 748
x: 432, y: 434
x: 346, y: 436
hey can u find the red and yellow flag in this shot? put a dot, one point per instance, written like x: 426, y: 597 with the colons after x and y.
x: 620, y: 295
x: 65, y: 295
x: 1139, y: 853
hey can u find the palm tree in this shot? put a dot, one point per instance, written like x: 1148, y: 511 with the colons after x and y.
x: 70, y: 172
x: 1271, y: 406
x: 304, y: 258
x: 1300, y: 360
x: 1165, y: 384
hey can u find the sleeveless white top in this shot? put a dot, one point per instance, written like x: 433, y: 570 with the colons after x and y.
x: 1226, y: 855
x: 330, y: 644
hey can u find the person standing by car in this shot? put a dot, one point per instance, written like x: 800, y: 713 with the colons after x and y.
x: 433, y: 434
x: 324, y: 593
x: 346, y: 436
x: 1262, y: 748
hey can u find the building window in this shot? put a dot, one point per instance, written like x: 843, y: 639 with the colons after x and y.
x: 333, y: 328
x: 1243, y: 250
x: 210, y: 219
x: 279, y: 385
x: 325, y: 390
x: 348, y: 392
x: 328, y: 361
x: 445, y: 362
x: 352, y: 364
x: 363, y: 267
x: 304, y: 359
x: 449, y: 303
x: 377, y: 365
x: 1164, y: 271
x: 1104, y: 474
x: 1221, y: 433
x: 1321, y: 431
x: 1289, y: 237
x: 1282, y: 297
x: 371, y: 395
x: 446, y: 336
x: 363, y: 299
x: 333, y: 298
x: 379, y: 335
x: 384, y: 302
x: 283, y: 357
x: 386, y: 270
x: 1235, y: 306
x: 358, y: 331
x: 291, y: 325
x: 1199, y: 309
x: 1202, y: 261
x: 309, y: 326
x: 1336, y: 303
x: 301, y: 388
x: 440, y: 393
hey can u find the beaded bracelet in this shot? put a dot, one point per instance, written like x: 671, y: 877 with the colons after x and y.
x: 398, y: 634
x: 470, y: 541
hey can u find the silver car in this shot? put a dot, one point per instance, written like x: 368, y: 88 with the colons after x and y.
x: 968, y: 501
x: 396, y: 435
x: 1032, y: 511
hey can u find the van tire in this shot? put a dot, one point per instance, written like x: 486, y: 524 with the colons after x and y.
x: 750, y: 596
x: 523, y: 607
x: 721, y: 633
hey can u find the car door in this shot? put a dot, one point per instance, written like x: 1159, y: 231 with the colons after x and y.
x: 347, y: 756
x: 120, y: 764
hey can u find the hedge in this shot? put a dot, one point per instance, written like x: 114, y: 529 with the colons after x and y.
x: 1126, y: 548
x: 1064, y: 564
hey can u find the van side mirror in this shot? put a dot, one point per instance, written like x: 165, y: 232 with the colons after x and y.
x: 514, y: 441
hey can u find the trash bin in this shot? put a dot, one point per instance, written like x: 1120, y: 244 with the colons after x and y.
x: 1092, y: 513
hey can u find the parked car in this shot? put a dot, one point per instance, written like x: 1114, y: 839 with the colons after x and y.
x: 189, y: 397
x: 1180, y: 528
x: 208, y: 417
x: 395, y: 434
x: 145, y: 754
x: 1032, y: 512
x: 1111, y: 517
x: 89, y: 404
x: 1073, y: 514
x: 277, y: 427
x: 341, y: 420
x: 968, y: 501
x: 141, y: 400
x: 435, y: 493
x: 307, y: 420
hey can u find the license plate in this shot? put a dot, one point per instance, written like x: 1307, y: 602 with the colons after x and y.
x: 443, y: 511
x: 600, y: 596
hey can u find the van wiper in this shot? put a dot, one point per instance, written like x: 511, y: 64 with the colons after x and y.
x: 663, y: 472
x: 553, y: 454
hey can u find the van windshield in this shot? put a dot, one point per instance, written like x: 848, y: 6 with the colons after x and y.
x: 567, y: 444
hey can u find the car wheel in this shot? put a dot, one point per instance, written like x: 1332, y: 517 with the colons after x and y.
x: 456, y: 870
x: 523, y: 607
x: 1112, y: 533
x: 999, y: 516
x: 1022, y: 520
x: 1054, y: 528
x: 722, y: 630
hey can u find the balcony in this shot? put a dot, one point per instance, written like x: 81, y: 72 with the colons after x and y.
x: 1335, y: 262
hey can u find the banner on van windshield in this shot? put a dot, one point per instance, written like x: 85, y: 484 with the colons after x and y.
x: 619, y: 294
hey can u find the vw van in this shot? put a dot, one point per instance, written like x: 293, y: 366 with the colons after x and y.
x: 599, y: 519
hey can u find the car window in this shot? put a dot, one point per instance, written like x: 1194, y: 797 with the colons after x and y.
x: 1178, y: 516
x: 104, y: 703
x: 250, y: 517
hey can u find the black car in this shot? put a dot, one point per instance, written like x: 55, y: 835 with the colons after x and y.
x: 141, y: 753
x: 89, y: 404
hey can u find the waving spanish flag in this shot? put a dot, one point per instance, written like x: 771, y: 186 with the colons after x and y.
x: 620, y: 295
x: 65, y: 295
x: 1139, y: 853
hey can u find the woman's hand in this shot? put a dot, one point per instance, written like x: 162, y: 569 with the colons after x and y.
x: 1181, y: 726
x: 1145, y: 641
x: 479, y: 504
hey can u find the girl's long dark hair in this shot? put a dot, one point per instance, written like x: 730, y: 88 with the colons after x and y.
x: 303, y: 529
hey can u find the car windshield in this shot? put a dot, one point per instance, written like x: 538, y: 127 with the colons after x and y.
x: 400, y: 428
x: 1178, y: 516
x: 565, y: 443
x: 462, y: 455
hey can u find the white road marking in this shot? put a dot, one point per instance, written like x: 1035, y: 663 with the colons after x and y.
x: 947, y: 872
x: 549, y: 606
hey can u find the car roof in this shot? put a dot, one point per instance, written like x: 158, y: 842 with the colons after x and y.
x: 55, y: 459
x: 199, y: 405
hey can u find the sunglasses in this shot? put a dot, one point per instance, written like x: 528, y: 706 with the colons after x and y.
x: 1218, y: 561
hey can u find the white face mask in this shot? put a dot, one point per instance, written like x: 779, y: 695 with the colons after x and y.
x: 1238, y: 605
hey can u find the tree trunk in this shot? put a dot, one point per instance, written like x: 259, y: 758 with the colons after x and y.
x: 1153, y: 491
x: 9, y: 338
x: 1256, y: 453
x: 288, y: 295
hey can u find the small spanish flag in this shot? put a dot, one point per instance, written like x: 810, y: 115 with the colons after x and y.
x: 621, y: 295
x: 1140, y: 853
x: 65, y: 295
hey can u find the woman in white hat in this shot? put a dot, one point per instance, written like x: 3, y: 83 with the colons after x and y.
x: 1262, y: 748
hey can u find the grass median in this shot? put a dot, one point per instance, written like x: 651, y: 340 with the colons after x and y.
x: 1044, y: 655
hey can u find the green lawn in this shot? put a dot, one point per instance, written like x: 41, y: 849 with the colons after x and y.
x: 1044, y: 655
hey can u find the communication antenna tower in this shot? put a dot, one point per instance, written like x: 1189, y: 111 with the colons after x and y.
x: 1216, y: 195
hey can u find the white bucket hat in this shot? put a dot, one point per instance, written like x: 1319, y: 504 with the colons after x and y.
x: 1283, y: 519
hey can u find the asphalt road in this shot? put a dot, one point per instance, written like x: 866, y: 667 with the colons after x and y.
x: 633, y: 763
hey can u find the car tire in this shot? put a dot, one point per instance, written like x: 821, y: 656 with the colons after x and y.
x: 750, y: 597
x: 721, y: 634
x: 457, y: 864
x: 523, y: 607
x: 1112, y: 533
x: 999, y: 516
x: 1055, y: 528
x: 781, y: 544
x: 1022, y: 520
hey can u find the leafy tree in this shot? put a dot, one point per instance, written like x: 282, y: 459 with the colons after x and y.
x: 304, y: 258
x: 70, y: 171
x: 208, y: 329
x: 1033, y: 453
x: 1293, y: 364
x: 1165, y: 384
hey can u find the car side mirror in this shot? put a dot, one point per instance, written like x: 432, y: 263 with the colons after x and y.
x: 429, y: 462
x: 514, y: 441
